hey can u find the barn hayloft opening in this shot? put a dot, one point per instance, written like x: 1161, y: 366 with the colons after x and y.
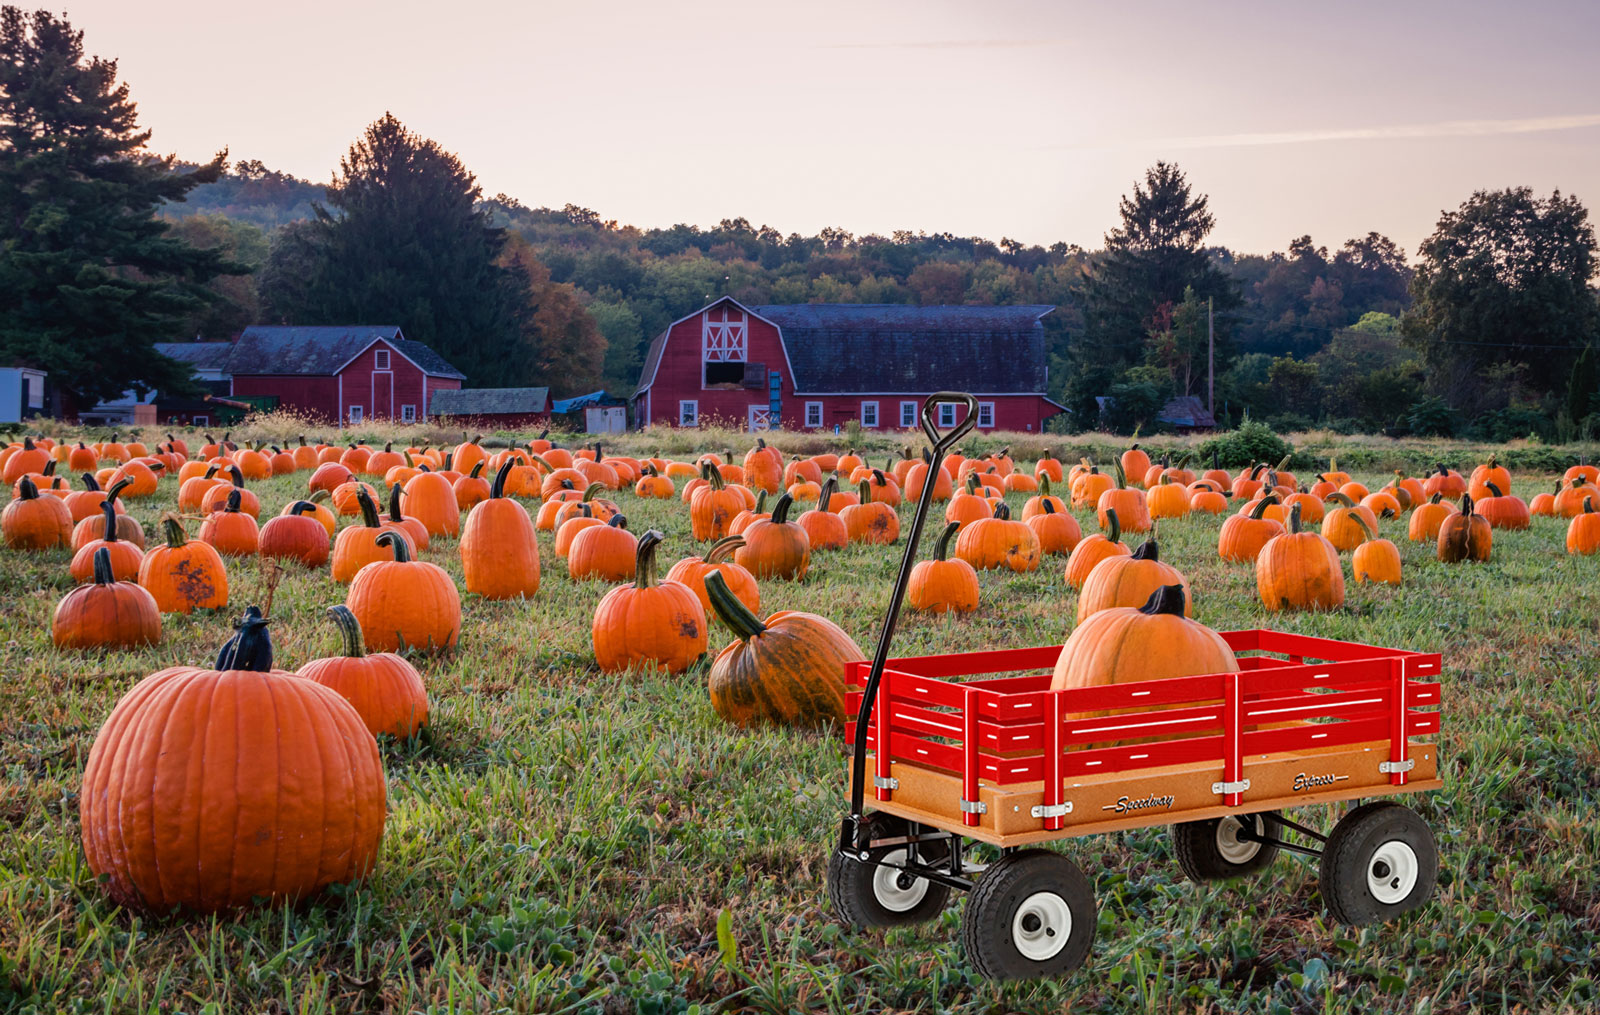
x: 726, y: 373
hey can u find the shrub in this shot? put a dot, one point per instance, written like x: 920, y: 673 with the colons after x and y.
x: 1431, y: 417
x: 1253, y: 441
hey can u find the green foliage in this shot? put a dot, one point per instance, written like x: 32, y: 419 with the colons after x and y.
x: 1583, y: 384
x: 1298, y: 300
x: 1431, y: 417
x: 1252, y: 441
x: 1136, y: 399
x: 89, y: 278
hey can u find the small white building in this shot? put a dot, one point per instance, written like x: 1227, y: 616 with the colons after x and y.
x: 21, y: 393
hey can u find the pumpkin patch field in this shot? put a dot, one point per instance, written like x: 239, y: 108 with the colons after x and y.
x: 608, y: 769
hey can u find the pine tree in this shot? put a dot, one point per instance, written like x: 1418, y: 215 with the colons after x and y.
x: 406, y: 242
x: 89, y: 278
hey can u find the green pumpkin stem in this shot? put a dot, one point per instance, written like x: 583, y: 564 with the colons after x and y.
x: 1261, y: 506
x: 396, y: 541
x: 369, y: 510
x: 722, y: 549
x: 110, y: 511
x: 644, y: 568
x: 780, y: 510
x: 825, y: 497
x: 1113, y: 526
x: 941, y: 549
x: 1294, y: 518
x: 172, y: 528
x: 349, y: 631
x: 738, y: 618
x: 866, y: 492
x: 102, y: 567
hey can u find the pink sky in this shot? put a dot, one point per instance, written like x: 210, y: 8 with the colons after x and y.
x: 1016, y: 119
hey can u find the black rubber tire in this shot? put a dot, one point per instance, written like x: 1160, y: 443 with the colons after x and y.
x: 1198, y: 847
x: 853, y: 884
x: 996, y: 906
x: 1355, y: 848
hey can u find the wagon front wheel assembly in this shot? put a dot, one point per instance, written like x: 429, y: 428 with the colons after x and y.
x: 1031, y: 915
x: 1380, y: 861
x: 877, y: 891
x: 1231, y: 846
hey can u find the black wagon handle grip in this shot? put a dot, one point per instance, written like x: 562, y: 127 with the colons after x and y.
x: 908, y: 560
x: 930, y: 425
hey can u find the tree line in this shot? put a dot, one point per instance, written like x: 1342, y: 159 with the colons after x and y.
x: 1487, y: 332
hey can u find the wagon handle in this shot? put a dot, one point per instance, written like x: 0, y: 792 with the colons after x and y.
x: 908, y: 560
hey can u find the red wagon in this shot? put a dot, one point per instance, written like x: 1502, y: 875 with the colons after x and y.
x: 1008, y: 762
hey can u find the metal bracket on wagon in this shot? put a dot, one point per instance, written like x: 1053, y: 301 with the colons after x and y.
x: 1055, y: 811
x: 974, y: 807
x: 885, y: 783
x: 1391, y: 767
x: 1230, y: 787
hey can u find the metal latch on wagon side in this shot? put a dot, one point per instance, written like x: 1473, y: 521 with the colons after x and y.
x: 1230, y: 787
x: 1060, y: 810
x: 1393, y: 767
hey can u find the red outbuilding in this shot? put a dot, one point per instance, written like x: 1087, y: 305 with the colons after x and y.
x: 816, y: 366
x: 348, y: 373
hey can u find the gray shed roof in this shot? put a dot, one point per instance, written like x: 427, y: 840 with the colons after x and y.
x: 199, y: 355
x: 488, y: 401
x: 322, y: 350
x: 895, y: 348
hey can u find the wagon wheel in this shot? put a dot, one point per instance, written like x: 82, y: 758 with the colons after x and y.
x: 866, y: 893
x: 1031, y: 915
x: 1380, y: 861
x: 1213, y: 851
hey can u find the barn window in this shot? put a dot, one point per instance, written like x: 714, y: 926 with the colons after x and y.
x: 355, y: 414
x: 986, y: 414
x: 725, y: 345
x: 908, y: 414
x: 200, y: 421
x: 813, y: 414
x: 689, y: 413
x: 869, y: 413
x: 381, y: 360
x: 408, y: 413
x: 947, y: 414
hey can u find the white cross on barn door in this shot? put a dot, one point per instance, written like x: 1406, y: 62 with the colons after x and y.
x: 725, y: 337
x: 760, y: 418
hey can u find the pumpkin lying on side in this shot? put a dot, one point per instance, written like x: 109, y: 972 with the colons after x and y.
x: 788, y: 669
x: 202, y: 753
x: 660, y: 624
x: 385, y: 689
x: 941, y: 584
x: 106, y: 612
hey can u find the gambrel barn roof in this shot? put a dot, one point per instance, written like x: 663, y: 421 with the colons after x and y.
x: 325, y: 350
x: 887, y: 348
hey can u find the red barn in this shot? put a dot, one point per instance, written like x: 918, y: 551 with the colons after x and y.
x: 347, y: 373
x: 819, y: 365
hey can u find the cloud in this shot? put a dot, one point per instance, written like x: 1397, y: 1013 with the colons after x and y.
x: 1447, y: 128
x: 951, y: 44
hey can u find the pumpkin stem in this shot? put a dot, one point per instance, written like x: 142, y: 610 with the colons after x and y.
x: 110, y: 511
x: 26, y: 490
x: 1148, y: 550
x: 618, y: 521
x: 1168, y: 599
x: 713, y: 476
x: 1294, y: 518
x: 1492, y: 488
x: 866, y: 492
x: 172, y: 527
x: 396, y: 542
x: 349, y: 631
x: 593, y: 490
x: 369, y: 510
x: 761, y: 502
x: 1002, y: 512
x: 89, y: 482
x: 1122, y: 477
x: 232, y: 505
x: 102, y: 567
x: 1261, y: 506
x: 251, y: 647
x: 744, y: 624
x: 1367, y: 532
x: 1466, y: 504
x: 238, y: 477
x: 1342, y: 499
x: 722, y: 548
x: 780, y: 510
x: 941, y: 549
x: 644, y: 567
x: 1048, y: 505
x: 825, y: 498
x: 1044, y: 485
x: 1113, y: 526
x: 300, y: 507
x: 1588, y: 505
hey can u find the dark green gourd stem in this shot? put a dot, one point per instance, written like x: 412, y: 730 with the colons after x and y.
x: 644, y: 568
x: 397, y: 542
x: 349, y: 631
x: 744, y: 624
x: 941, y: 549
x: 251, y: 646
x: 102, y: 567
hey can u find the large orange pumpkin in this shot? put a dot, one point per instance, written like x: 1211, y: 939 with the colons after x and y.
x: 713, y: 507
x: 1057, y: 531
x: 405, y: 603
x: 356, y: 546
x: 1375, y: 560
x: 429, y: 498
x: 997, y: 542
x: 1300, y: 570
x: 499, y: 546
x: 775, y: 547
x: 870, y: 521
x: 208, y: 789
x: 1150, y: 642
x: 603, y: 551
x: 1242, y: 536
x: 1129, y: 503
x: 788, y: 669
x: 230, y: 530
x: 1501, y: 510
x: 658, y: 624
x: 385, y: 689
x: 184, y: 574
x: 296, y: 535
x: 1426, y: 519
x: 105, y: 612
x: 32, y: 522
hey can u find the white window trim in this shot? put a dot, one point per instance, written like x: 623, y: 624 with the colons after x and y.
x: 947, y: 414
x: 817, y: 407
x: 380, y: 359
x: 200, y: 421
x: 876, y: 419
x: 986, y: 408
x: 908, y: 420
x: 355, y: 412
x: 408, y: 414
x: 691, y: 417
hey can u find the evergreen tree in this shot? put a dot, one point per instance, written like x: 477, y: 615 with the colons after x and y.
x: 1151, y: 259
x: 89, y: 278
x: 406, y: 242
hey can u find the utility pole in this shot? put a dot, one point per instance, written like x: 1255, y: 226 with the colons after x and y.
x: 1211, y: 360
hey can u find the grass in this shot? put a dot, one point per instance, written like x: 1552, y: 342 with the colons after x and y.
x: 585, y: 842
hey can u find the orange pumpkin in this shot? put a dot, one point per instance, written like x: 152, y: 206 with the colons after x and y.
x: 1375, y: 560
x: 1129, y: 580
x: 106, y: 612
x: 693, y: 571
x: 1465, y: 535
x: 1242, y: 536
x: 1155, y: 641
x: 230, y: 530
x: 1057, y: 531
x: 1427, y: 518
x: 404, y: 603
x: 603, y: 551
x: 32, y: 522
x: 997, y: 542
x: 383, y: 688
x: 182, y: 574
x: 1583, y: 532
x: 1132, y: 512
x: 870, y: 521
x: 1300, y: 570
x: 123, y: 556
x: 296, y: 535
x: 824, y: 529
x: 660, y: 625
x: 943, y: 584
x: 1094, y: 548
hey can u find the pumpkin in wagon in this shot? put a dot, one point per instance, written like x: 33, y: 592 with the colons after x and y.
x: 1130, y: 580
x: 1299, y: 570
x: 1094, y: 548
x: 788, y: 669
x: 659, y: 624
x: 105, y: 612
x: 943, y: 583
x: 384, y: 688
x: 201, y: 754
x: 403, y: 602
x: 1465, y: 535
x: 499, y: 545
x: 997, y: 542
x: 1155, y: 641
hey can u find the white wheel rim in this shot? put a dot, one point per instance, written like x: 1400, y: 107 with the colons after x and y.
x: 1041, y: 926
x: 1392, y: 872
x: 894, y: 889
x: 1234, y: 849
